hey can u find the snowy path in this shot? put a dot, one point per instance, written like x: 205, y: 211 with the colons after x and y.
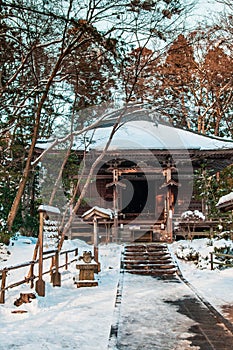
x: 72, y: 318
x: 147, y: 320
x: 158, y: 314
x: 67, y: 317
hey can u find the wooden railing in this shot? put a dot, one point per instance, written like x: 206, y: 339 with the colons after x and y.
x: 222, y: 263
x: 190, y: 229
x: 52, y: 254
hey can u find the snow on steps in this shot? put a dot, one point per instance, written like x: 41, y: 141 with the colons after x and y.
x: 148, y: 259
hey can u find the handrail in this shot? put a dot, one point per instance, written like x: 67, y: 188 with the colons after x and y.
x: 28, y: 263
x: 15, y: 267
x: 212, y: 262
x: 32, y: 277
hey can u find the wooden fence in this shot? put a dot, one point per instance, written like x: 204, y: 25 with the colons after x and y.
x: 222, y: 263
x: 54, y: 267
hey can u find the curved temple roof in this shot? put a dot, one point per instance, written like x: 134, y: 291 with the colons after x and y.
x: 139, y: 130
x: 142, y: 134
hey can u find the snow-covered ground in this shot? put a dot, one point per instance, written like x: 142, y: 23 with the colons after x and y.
x: 67, y: 317
x: 81, y: 318
x: 215, y: 286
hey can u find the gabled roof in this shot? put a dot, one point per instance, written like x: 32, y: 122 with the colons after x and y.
x: 98, y: 212
x: 49, y: 209
x: 225, y: 203
x: 140, y: 130
x: 144, y: 134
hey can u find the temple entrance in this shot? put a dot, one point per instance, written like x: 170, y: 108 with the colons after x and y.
x: 139, y: 199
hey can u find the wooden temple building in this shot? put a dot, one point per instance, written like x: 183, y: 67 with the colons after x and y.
x: 145, y: 176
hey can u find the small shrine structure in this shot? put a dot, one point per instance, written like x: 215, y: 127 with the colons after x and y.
x: 94, y: 214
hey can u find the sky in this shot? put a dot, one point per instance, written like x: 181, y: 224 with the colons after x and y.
x: 206, y: 9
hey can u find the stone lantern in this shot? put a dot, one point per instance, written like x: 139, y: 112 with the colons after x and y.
x: 87, y: 267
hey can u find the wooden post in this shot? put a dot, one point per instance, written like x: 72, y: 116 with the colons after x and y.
x: 169, y: 212
x: 32, y: 275
x: 51, y: 269
x: 115, y: 204
x: 95, y: 234
x: 56, y: 274
x: 169, y: 200
x: 211, y: 261
x: 2, y: 293
x: 96, y: 248
x: 40, y: 284
x: 66, y: 262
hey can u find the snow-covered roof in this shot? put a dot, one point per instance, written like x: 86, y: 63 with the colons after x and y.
x: 143, y: 134
x: 99, y: 211
x: 49, y: 209
x: 226, y: 202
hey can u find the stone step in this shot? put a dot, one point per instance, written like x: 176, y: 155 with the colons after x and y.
x: 149, y: 266
x: 148, y: 259
x: 144, y: 254
x: 152, y: 261
x: 156, y: 248
x: 145, y: 249
x: 153, y: 272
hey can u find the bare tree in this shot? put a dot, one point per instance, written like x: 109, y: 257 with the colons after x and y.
x: 44, y: 38
x: 228, y: 3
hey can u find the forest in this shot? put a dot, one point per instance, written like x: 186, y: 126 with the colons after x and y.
x: 65, y: 63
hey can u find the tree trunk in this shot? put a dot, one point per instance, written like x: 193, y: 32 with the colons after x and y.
x: 26, y: 172
x: 27, y: 169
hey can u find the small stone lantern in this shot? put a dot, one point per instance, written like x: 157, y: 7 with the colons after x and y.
x: 87, y: 267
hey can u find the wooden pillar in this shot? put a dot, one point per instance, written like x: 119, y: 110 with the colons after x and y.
x: 170, y: 212
x: 115, y: 204
x: 115, y: 183
x: 95, y: 232
x: 56, y: 275
x: 40, y: 284
x: 96, y: 248
x: 66, y: 259
x: 2, y: 293
x: 169, y: 201
x: 31, y: 275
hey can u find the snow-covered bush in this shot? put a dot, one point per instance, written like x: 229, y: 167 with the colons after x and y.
x: 187, y: 253
x: 192, y: 215
x: 4, y: 252
x: 200, y: 257
x: 4, y: 235
x: 222, y: 246
x: 198, y: 251
x: 224, y: 234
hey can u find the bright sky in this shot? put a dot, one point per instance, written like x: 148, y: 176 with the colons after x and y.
x: 207, y: 9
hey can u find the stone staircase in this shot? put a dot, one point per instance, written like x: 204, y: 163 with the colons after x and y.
x: 153, y: 259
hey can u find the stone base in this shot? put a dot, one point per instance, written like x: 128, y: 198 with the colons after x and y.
x: 86, y: 283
